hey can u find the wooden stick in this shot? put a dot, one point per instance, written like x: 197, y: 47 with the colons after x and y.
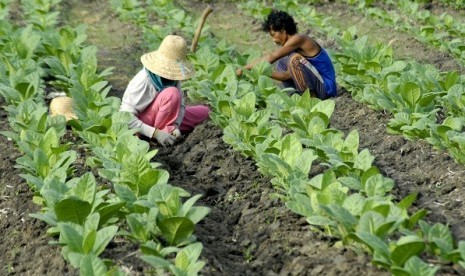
x: 205, y: 13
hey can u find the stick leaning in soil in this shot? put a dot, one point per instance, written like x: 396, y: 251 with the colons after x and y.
x: 205, y: 13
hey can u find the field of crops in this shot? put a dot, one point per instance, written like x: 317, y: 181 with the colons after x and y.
x: 368, y: 183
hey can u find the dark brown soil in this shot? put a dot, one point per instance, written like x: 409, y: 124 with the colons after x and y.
x: 249, y: 231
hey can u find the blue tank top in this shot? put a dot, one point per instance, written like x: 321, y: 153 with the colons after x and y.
x: 322, y: 62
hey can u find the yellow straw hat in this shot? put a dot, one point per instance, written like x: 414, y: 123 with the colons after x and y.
x: 170, y: 60
x: 62, y: 106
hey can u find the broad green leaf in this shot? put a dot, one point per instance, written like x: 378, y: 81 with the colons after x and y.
x: 416, y: 267
x: 41, y: 161
x: 88, y: 241
x: 246, y: 105
x: 316, y: 126
x: 196, y: 214
x: 229, y: 77
x: 138, y: 174
x: 49, y: 142
x: 72, y: 209
x: 413, y: 220
x: 407, y: 247
x: 321, y: 181
x: 224, y: 107
x: 351, y: 143
x: 137, y: 224
x: 53, y: 190
x: 291, y: 149
x: 454, y: 123
x: 441, y: 235
x: 378, y: 185
x: 333, y: 193
x: 303, y: 163
x: 396, y: 67
x: 172, y: 203
x: 275, y: 165
x: 300, y: 204
x: 156, y: 262
x: 407, y: 201
x: 374, y: 243
x: 326, y: 107
x: 399, y: 271
x: 92, y: 265
x: 152, y: 248
x: 103, y: 238
x: 354, y: 204
x: 125, y: 194
x: 369, y: 222
x: 85, y: 189
x: 187, y: 259
x: 71, y: 236
x: 350, y: 182
x: 176, y: 229
x: 363, y: 160
x: 383, y: 209
x: 411, y: 93
x: 109, y: 210
x: 49, y: 217
x: 387, y: 228
x: 321, y: 221
x: 182, y: 261
x: 382, y: 260
x: 91, y: 224
x: 341, y: 215
x: 367, y: 174
x: 73, y: 257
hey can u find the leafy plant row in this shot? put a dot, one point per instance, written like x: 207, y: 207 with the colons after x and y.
x: 285, y: 135
x: 443, y: 32
x: 134, y: 200
x: 316, y: 20
x: 425, y: 102
x: 456, y: 4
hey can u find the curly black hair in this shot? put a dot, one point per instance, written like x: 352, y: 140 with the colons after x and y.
x: 278, y: 21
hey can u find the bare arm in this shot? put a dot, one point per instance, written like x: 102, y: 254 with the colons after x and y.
x: 281, y: 76
x: 293, y: 43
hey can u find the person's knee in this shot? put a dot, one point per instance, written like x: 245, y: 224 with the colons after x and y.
x: 171, y: 92
x: 295, y: 59
x: 205, y: 108
x: 204, y: 111
x: 170, y: 96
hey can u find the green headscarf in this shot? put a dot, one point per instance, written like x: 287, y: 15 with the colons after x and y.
x: 160, y: 83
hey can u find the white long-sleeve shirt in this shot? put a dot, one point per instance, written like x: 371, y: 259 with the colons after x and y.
x: 139, y: 94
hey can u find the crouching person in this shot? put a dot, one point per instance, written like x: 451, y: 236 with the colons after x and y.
x: 155, y: 98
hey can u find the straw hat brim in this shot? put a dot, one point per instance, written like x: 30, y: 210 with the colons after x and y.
x: 63, y: 106
x: 167, y: 68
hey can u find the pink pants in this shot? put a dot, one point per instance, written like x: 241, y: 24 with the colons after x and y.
x: 164, y: 110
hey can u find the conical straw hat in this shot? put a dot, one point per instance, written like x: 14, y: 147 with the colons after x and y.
x: 62, y: 106
x: 170, y: 60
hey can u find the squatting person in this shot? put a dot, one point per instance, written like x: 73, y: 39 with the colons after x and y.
x: 155, y: 98
x: 301, y: 62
